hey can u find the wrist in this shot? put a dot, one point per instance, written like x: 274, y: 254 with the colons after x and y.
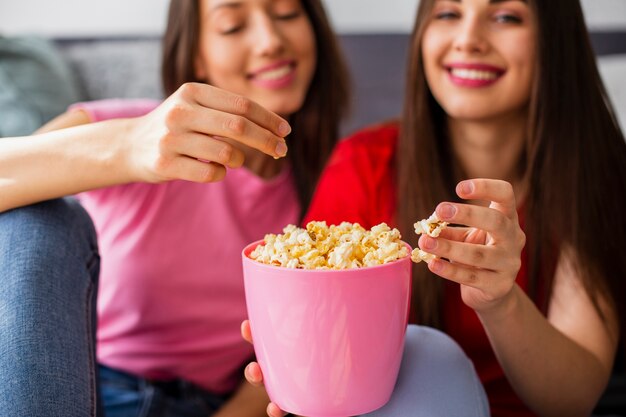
x: 127, y: 149
x: 503, y: 308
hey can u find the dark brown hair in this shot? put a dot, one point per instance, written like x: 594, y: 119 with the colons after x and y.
x: 315, y: 127
x: 574, y: 162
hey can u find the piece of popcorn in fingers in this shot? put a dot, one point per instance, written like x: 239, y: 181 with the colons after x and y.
x: 418, y: 255
x: 431, y: 226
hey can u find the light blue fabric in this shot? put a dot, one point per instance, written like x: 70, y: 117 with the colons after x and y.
x: 48, y: 283
x: 36, y: 84
x: 436, y: 379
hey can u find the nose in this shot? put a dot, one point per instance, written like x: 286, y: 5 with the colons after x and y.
x: 268, y: 40
x: 470, y: 37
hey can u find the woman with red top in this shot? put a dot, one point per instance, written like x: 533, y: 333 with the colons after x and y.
x: 508, y: 133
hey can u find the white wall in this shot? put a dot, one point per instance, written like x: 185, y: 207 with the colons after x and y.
x: 147, y: 17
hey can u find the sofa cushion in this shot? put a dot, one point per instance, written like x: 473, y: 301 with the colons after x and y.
x: 36, y: 84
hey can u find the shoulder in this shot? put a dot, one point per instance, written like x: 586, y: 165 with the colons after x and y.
x: 100, y: 110
x: 357, y: 183
x: 366, y: 154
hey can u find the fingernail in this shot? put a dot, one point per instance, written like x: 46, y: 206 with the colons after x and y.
x: 429, y: 243
x: 248, y: 373
x: 281, y: 148
x: 466, y: 187
x: 446, y: 211
x: 284, y: 129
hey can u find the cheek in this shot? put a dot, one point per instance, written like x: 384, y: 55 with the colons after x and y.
x: 525, y: 59
x: 221, y: 63
x: 303, y: 40
x: 433, y: 47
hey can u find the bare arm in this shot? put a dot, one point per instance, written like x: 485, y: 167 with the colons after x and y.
x: 58, y: 163
x: 558, y: 365
x: 178, y: 140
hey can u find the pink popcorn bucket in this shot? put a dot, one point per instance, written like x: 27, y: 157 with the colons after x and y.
x: 329, y: 342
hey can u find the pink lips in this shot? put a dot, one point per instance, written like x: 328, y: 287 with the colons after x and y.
x: 473, y: 75
x: 274, y: 76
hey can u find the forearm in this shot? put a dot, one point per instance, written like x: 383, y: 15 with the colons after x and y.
x: 63, y: 162
x: 550, y: 372
x: 247, y: 401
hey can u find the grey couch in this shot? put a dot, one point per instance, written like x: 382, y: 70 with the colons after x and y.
x: 122, y: 67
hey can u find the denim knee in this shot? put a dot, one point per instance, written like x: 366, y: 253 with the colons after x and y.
x: 47, y: 235
x: 49, y: 273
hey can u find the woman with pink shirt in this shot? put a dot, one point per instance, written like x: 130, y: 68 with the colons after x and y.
x: 175, y: 189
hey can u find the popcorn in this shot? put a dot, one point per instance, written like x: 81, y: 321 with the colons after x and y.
x: 432, y: 227
x: 343, y: 246
x: 418, y: 255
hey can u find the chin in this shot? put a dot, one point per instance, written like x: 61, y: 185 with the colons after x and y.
x: 467, y: 114
x: 285, y: 108
x: 469, y: 110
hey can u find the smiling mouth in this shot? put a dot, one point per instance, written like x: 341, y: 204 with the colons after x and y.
x: 474, y: 74
x: 274, y: 73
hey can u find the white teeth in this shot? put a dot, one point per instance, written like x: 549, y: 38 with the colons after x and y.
x: 471, y: 74
x: 274, y: 74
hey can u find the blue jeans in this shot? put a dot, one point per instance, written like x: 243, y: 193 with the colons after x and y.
x: 126, y: 395
x: 48, y: 283
x: 436, y: 379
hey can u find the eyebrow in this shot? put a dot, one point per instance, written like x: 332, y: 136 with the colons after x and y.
x: 225, y: 4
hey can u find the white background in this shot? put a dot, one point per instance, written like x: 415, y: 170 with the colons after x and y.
x: 68, y: 18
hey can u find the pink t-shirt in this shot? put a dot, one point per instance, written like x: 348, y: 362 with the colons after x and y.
x: 171, y: 296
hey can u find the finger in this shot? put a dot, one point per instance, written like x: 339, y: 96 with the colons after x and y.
x: 479, y: 256
x: 462, y: 274
x: 246, y: 333
x: 274, y: 411
x: 464, y: 234
x: 225, y: 101
x: 190, y: 169
x: 253, y: 374
x: 458, y: 233
x: 239, y: 128
x: 485, y: 218
x: 496, y: 191
x: 207, y: 148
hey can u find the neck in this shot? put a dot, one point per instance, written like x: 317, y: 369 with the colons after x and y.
x: 490, y: 148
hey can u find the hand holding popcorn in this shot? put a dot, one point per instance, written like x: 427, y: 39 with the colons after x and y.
x: 484, y: 257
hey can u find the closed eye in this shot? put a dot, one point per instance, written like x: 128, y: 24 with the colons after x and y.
x: 232, y: 30
x: 446, y: 15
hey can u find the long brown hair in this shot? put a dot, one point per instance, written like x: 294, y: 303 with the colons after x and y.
x: 575, y: 164
x: 315, y: 127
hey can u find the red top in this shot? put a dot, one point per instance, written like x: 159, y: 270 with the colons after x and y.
x: 358, y: 186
